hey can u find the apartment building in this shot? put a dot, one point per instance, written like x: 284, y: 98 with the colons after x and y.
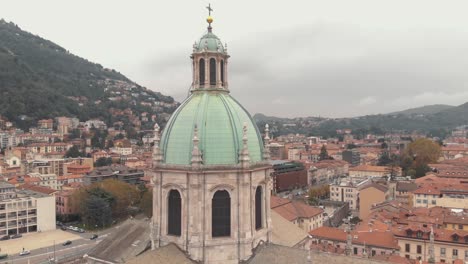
x: 119, y: 172
x: 346, y: 190
x: 29, y: 211
x: 300, y: 214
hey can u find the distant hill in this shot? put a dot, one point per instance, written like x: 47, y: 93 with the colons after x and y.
x: 424, y: 110
x: 436, y: 120
x: 39, y: 79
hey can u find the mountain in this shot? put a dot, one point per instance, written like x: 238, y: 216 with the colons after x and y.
x: 424, y: 110
x: 432, y: 120
x: 39, y: 79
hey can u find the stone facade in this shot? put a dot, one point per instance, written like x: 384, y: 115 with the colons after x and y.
x: 197, y: 188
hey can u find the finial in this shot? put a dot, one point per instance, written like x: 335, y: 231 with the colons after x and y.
x: 266, y: 148
x: 244, y: 155
x: 209, y: 19
x: 157, y: 155
x: 197, y: 159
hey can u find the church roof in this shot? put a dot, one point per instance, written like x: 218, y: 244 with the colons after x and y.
x: 220, y: 120
x: 209, y: 42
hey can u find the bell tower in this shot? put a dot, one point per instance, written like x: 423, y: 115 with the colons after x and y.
x: 209, y: 60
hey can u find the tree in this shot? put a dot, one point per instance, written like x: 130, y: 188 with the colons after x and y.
x: 103, y: 162
x: 323, y: 153
x: 74, y: 152
x: 96, y: 212
x: 423, y: 151
x: 75, y: 133
x: 146, y: 203
x: 418, y: 155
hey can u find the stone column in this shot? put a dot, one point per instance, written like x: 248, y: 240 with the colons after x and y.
x: 207, y: 71
x: 226, y: 86
x: 218, y: 73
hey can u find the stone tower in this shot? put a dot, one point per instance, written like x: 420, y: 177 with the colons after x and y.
x: 211, y: 170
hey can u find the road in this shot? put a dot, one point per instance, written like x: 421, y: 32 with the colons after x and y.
x: 42, y: 255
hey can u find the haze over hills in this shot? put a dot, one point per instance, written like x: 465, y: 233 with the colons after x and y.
x: 39, y: 79
x: 435, y: 120
x: 424, y: 110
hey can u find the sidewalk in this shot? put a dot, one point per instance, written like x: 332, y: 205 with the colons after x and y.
x: 36, y: 240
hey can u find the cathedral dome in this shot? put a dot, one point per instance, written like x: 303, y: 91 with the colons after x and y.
x: 220, y: 120
x: 209, y: 42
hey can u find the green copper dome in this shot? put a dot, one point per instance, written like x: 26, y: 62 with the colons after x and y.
x: 209, y: 42
x: 220, y: 120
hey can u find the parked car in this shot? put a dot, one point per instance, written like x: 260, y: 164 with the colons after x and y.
x: 64, y: 228
x: 80, y: 230
x: 25, y: 252
x: 3, y: 256
x: 95, y: 236
x: 15, y: 236
x: 66, y: 243
x: 5, y: 238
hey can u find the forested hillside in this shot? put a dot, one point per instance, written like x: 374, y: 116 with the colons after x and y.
x: 39, y: 79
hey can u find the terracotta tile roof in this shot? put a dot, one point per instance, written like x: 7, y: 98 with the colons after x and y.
x: 406, y: 186
x: 370, y: 168
x: 37, y: 188
x: 377, y: 239
x: 374, y: 185
x: 292, y: 210
x: 442, y: 235
x: 276, y: 201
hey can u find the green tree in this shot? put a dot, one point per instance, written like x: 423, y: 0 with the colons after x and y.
x: 146, y: 203
x: 323, y: 153
x: 75, y: 133
x: 96, y: 212
x: 74, y: 152
x: 103, y: 162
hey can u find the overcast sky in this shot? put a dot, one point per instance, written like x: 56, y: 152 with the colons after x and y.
x: 288, y: 58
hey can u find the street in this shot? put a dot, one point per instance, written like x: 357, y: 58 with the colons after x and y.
x: 79, y: 247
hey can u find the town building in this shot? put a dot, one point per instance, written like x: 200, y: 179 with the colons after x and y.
x: 374, y: 171
x: 299, y: 213
x: 370, y: 194
x: 352, y: 156
x: 288, y: 175
x: 363, y: 243
x: 118, y: 172
x: 278, y: 151
x: 29, y: 211
x: 346, y: 190
x: 327, y: 171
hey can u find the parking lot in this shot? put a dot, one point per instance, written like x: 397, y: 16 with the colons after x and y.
x: 37, y: 240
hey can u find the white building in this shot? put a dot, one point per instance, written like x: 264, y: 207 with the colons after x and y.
x: 28, y: 212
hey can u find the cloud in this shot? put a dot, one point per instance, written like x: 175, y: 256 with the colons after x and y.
x: 332, y: 70
x: 368, y: 100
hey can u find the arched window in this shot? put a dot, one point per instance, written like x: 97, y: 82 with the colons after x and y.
x: 221, y: 214
x: 258, y: 208
x: 221, y: 64
x: 174, y: 213
x: 201, y: 71
x: 212, y: 71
